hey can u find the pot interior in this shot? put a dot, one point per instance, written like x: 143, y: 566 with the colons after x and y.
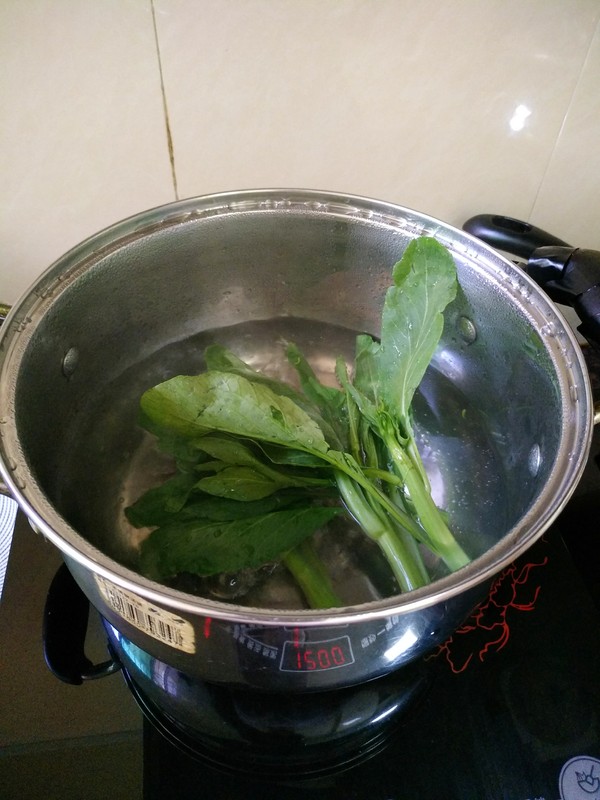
x: 140, y: 302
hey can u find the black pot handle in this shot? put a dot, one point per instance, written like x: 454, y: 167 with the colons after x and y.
x: 569, y: 275
x: 66, y: 616
x: 511, y: 235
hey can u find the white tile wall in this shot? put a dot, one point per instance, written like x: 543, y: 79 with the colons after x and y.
x: 569, y: 196
x: 450, y: 108
x: 82, y: 134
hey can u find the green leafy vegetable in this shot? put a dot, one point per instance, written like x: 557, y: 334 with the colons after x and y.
x: 258, y: 461
x: 243, y: 475
x: 192, y: 406
x: 206, y: 547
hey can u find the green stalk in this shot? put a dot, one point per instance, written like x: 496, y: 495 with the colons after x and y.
x: 440, y: 538
x: 311, y: 576
x: 409, y: 541
x: 355, y: 473
x: 408, y: 570
x: 415, y: 456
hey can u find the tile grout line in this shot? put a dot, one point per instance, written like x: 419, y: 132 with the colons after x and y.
x: 165, y: 106
x: 564, y: 121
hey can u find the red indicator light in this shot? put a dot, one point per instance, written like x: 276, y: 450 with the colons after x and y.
x: 316, y: 656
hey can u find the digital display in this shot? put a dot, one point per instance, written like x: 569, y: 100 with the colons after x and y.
x: 300, y: 656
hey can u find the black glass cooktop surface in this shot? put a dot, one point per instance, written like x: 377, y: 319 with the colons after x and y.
x: 511, y: 709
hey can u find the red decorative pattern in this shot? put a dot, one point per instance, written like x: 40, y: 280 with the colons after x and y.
x: 488, y: 628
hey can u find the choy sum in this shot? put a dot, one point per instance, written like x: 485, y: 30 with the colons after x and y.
x: 262, y: 465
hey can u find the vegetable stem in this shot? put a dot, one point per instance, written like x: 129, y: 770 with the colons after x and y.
x: 405, y: 563
x: 311, y: 576
x: 357, y: 475
x: 440, y: 538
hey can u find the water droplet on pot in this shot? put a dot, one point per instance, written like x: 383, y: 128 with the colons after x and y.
x: 70, y: 361
x: 549, y: 329
x: 467, y: 330
x: 534, y: 460
x: 573, y: 393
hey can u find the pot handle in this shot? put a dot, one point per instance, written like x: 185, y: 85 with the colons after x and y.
x: 511, y: 235
x: 569, y: 275
x: 66, y: 616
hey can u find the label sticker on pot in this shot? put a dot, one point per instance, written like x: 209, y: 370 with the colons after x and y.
x: 163, y: 625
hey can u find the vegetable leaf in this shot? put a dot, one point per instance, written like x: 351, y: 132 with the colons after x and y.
x: 247, y: 483
x: 366, y: 367
x: 220, y: 359
x: 208, y: 548
x: 412, y: 321
x: 329, y: 400
x: 161, y: 502
x: 237, y: 452
x: 217, y: 401
x: 287, y: 455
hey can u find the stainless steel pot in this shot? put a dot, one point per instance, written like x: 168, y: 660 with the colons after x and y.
x: 504, y: 415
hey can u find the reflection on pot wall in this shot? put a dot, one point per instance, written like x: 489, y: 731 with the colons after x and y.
x: 448, y: 108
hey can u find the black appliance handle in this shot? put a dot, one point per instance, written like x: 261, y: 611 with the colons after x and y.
x: 569, y: 275
x: 66, y: 616
x: 511, y: 235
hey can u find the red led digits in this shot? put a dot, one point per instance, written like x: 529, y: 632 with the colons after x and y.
x: 300, y: 656
x: 323, y: 658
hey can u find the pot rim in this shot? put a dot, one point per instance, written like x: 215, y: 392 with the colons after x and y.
x: 562, y: 346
